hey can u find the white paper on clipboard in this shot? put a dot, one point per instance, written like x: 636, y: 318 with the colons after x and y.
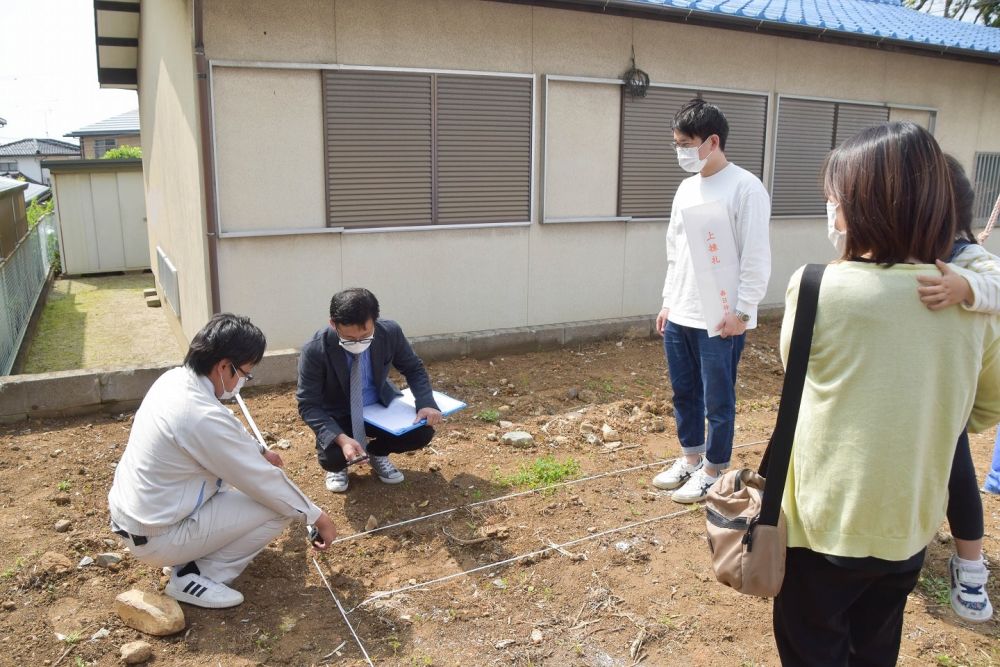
x: 715, y: 259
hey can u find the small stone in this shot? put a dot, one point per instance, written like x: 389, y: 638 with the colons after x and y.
x: 53, y: 563
x: 108, y: 559
x: 269, y: 437
x: 593, y: 439
x: 372, y: 523
x: 573, y: 393
x: 587, y: 396
x: 62, y: 525
x: 560, y: 440
x: 110, y: 543
x: 518, y: 439
x: 587, y: 427
x: 55, y: 454
x: 504, y: 409
x: 151, y: 613
x: 498, y: 531
x: 611, y: 446
x: 504, y: 424
x: 9, y: 605
x: 536, y: 636
x: 135, y: 653
x: 492, y: 437
x: 84, y: 562
x: 283, y: 444
x: 424, y: 503
x: 434, y: 467
x: 609, y: 434
x: 62, y: 500
x: 657, y: 425
x: 499, y: 583
x: 624, y: 546
x: 100, y: 634
x: 943, y: 537
x: 504, y: 643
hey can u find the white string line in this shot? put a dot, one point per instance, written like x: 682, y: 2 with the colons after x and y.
x: 353, y: 536
x: 342, y: 612
x: 508, y: 561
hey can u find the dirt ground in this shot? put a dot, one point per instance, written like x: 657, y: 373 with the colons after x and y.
x: 639, y: 595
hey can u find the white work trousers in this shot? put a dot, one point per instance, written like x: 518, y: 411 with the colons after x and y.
x: 221, y: 537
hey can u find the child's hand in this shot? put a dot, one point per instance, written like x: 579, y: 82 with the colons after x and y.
x: 948, y: 289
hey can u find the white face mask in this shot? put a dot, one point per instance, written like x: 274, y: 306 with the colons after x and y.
x: 240, y: 381
x: 688, y: 158
x: 837, y: 237
x: 357, y: 346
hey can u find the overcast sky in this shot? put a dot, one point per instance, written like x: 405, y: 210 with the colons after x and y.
x: 48, y: 70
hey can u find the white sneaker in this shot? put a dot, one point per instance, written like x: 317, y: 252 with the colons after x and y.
x: 202, y: 592
x: 337, y: 481
x: 677, y: 474
x: 695, y: 489
x: 969, y: 598
x: 385, y: 470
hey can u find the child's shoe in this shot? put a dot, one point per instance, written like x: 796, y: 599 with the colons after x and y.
x: 969, y: 598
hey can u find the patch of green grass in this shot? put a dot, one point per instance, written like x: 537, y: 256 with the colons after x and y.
x: 79, y: 662
x: 488, y: 415
x: 73, y: 638
x: 946, y: 660
x: 477, y: 494
x: 936, y: 588
x: 287, y: 624
x: 13, y: 569
x: 64, y: 485
x: 545, y: 470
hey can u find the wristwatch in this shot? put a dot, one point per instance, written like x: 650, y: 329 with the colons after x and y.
x: 741, y: 316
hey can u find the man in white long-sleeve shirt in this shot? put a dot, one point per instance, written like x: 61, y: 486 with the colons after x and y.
x: 173, y: 500
x: 702, y: 367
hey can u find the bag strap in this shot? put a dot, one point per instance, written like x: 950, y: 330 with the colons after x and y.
x: 779, y: 449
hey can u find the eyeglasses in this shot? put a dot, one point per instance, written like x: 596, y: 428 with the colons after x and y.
x: 248, y: 376
x: 352, y: 343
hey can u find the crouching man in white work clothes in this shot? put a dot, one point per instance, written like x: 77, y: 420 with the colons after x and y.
x: 173, y: 501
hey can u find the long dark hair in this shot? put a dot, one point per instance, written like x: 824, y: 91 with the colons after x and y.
x: 894, y: 187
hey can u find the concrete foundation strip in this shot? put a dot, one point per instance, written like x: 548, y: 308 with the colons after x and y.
x: 342, y: 612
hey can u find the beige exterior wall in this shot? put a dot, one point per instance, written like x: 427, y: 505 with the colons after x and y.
x: 88, y: 144
x: 171, y: 155
x: 271, y: 162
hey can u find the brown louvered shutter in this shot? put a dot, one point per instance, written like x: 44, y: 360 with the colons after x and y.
x: 378, y: 148
x: 852, y: 118
x: 747, y: 117
x: 649, y: 174
x: 805, y: 135
x: 483, y: 149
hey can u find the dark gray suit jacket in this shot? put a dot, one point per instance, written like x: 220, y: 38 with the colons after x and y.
x: 325, y: 380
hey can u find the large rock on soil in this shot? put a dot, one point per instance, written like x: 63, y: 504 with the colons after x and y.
x: 53, y: 563
x: 519, y: 439
x: 151, y: 613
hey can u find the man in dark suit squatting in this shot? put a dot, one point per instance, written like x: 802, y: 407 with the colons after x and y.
x: 345, y: 367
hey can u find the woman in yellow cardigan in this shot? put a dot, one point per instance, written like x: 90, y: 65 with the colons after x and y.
x: 888, y: 389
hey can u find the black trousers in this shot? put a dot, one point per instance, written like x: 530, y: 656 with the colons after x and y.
x: 832, y: 616
x: 965, y: 507
x: 380, y: 443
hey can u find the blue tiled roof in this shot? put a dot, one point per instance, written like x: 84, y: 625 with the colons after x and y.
x: 871, y: 18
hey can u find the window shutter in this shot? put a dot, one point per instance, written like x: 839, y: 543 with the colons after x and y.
x: 649, y: 171
x: 747, y: 116
x: 986, y: 181
x: 852, y: 118
x: 805, y: 134
x: 378, y: 148
x: 483, y: 149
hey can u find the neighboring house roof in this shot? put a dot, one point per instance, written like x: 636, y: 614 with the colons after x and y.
x: 35, y: 147
x: 18, y: 176
x: 873, y: 23
x: 126, y: 123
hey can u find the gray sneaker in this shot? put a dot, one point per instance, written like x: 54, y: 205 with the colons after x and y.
x: 385, y: 470
x: 337, y: 481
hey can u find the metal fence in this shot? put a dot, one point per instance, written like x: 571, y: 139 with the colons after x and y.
x: 22, y: 278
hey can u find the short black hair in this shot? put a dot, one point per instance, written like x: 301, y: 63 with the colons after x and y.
x: 226, y: 336
x: 354, y: 307
x: 700, y: 119
x: 965, y: 198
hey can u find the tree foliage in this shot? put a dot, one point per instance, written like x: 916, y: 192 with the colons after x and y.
x: 986, y: 12
x: 123, y: 153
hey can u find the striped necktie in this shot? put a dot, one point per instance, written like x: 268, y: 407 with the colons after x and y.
x: 357, y: 401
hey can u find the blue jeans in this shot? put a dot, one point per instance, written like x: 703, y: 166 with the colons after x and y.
x: 703, y: 377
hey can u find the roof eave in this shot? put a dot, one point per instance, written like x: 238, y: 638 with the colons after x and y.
x: 765, y: 27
